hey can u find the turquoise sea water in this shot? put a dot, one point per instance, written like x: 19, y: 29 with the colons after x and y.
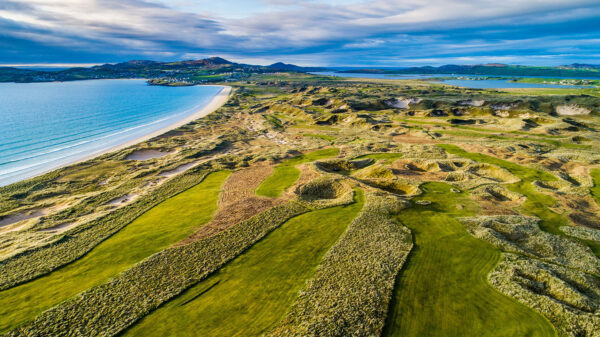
x: 44, y: 126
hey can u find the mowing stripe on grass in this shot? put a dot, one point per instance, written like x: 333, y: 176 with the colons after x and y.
x: 443, y: 288
x: 286, y: 173
x: 251, y: 293
x: 169, y: 222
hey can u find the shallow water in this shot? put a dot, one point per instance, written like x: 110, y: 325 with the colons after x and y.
x: 466, y: 83
x: 44, y: 126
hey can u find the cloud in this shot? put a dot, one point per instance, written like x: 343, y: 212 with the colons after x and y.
x: 314, y: 32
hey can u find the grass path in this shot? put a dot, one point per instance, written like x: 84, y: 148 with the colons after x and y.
x: 254, y: 291
x: 285, y: 174
x: 169, y: 222
x: 443, y: 288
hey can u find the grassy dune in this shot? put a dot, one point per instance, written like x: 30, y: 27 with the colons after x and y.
x: 537, y: 204
x: 443, y: 288
x: 155, y: 230
x: 250, y: 294
x: 286, y: 173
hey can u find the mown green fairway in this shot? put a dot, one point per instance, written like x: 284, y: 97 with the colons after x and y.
x: 250, y: 294
x: 443, y: 288
x: 169, y: 222
x: 286, y: 173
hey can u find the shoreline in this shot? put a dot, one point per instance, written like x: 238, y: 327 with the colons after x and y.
x: 215, y: 103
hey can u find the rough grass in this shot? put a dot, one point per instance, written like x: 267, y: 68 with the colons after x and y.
x: 443, y: 288
x: 285, y: 174
x: 595, y: 190
x: 330, y: 139
x: 252, y: 292
x: 385, y: 157
x: 537, y: 204
x: 117, y: 304
x: 350, y: 292
x: 155, y: 230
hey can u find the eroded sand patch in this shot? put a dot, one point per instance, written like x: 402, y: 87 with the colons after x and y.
x: 177, y: 170
x: 146, y: 154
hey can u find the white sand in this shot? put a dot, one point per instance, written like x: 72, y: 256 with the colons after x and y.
x: 146, y: 154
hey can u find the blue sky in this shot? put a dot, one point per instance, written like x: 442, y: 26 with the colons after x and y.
x: 313, y: 32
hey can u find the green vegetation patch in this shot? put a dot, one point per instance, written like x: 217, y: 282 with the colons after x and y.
x: 385, y: 157
x: 537, y: 204
x: 167, y: 223
x: 286, y: 173
x: 324, y: 137
x: 443, y: 289
x: 595, y: 173
x: 252, y: 292
x: 117, y: 304
x: 350, y: 291
x: 76, y: 242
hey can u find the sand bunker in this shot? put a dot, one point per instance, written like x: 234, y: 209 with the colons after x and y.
x: 146, y: 154
x: 122, y: 200
x: 14, y: 218
x: 571, y: 110
x: 177, y: 170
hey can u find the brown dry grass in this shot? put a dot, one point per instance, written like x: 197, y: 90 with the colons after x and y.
x: 238, y: 201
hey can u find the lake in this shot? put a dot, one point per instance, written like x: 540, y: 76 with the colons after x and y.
x: 44, y: 126
x: 459, y: 81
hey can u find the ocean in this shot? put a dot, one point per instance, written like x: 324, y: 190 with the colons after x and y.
x: 44, y: 126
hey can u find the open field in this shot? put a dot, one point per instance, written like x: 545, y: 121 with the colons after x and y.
x: 480, y: 217
x: 252, y: 292
x: 155, y: 230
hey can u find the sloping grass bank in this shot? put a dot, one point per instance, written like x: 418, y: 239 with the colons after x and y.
x: 443, y: 288
x: 169, y: 222
x: 251, y: 293
x: 286, y: 173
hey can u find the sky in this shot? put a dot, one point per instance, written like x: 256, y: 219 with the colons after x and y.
x: 356, y: 33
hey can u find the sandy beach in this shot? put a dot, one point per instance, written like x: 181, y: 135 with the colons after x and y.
x: 216, y: 102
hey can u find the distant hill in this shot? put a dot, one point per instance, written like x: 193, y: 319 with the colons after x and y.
x: 280, y: 66
x: 491, y: 69
x: 210, y: 69
x: 581, y: 66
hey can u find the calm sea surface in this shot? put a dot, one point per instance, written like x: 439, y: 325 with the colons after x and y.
x: 459, y: 82
x: 46, y: 125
